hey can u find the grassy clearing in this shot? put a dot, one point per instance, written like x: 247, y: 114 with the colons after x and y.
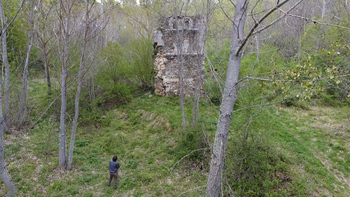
x: 300, y: 152
x: 144, y: 135
x: 319, y: 136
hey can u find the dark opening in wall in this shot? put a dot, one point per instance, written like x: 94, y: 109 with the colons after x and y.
x: 187, y: 24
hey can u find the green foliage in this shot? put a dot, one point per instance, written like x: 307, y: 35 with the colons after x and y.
x: 131, y: 64
x: 253, y: 165
x: 87, y: 178
x: 73, y: 190
x: 192, y: 147
x: 12, y: 149
x: 138, y: 54
x: 115, y: 95
x: 46, y: 130
x: 132, y: 164
x: 330, y: 59
x: 16, y: 34
x: 128, y: 68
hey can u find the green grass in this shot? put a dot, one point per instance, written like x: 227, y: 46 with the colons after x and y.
x: 289, y: 151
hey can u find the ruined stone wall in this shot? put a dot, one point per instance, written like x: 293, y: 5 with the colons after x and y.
x: 186, y: 33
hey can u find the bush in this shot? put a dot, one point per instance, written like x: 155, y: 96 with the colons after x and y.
x: 192, y: 140
x: 131, y: 64
x: 117, y: 94
x: 252, y: 165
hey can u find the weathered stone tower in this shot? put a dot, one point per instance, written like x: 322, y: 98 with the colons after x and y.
x: 179, y: 39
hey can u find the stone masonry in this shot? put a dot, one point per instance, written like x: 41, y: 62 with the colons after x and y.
x: 185, y: 33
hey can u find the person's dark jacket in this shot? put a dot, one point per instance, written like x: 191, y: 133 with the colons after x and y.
x: 113, y: 166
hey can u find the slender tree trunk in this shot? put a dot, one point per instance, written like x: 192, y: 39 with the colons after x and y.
x: 218, y: 155
x: 64, y: 39
x: 7, y: 98
x: 199, y: 81
x: 80, y: 82
x: 7, y: 69
x: 324, y: 9
x: 195, y: 109
x: 180, y: 56
x: 181, y: 86
x: 62, y: 137
x: 4, y: 175
x: 92, y: 83
x: 44, y: 42
x: 47, y: 70
x: 23, y: 99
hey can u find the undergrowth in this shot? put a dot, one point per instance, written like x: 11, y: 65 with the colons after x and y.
x: 271, y: 152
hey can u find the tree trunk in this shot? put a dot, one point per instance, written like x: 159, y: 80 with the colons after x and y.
x: 80, y: 82
x: 7, y: 98
x: 4, y: 175
x: 44, y: 41
x: 7, y: 68
x: 218, y: 155
x: 324, y: 9
x: 195, y: 109
x: 47, y: 69
x: 64, y: 39
x: 23, y: 99
x: 199, y: 81
x: 181, y: 86
x: 180, y: 57
x: 62, y: 137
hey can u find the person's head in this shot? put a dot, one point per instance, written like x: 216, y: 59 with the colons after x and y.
x: 115, y: 158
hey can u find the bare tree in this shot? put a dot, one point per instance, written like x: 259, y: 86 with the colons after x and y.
x: 5, y: 25
x: 238, y: 41
x: 198, y: 70
x: 45, y: 38
x: 80, y: 82
x: 65, y: 14
x: 22, y: 109
x: 179, y: 23
x: 4, y: 175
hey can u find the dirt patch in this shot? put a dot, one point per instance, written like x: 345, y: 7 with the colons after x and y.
x: 322, y: 192
x: 337, y: 174
x: 154, y: 120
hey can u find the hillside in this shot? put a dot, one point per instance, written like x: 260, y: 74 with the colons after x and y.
x: 310, y: 147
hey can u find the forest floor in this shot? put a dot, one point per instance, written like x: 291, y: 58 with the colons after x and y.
x: 146, y: 136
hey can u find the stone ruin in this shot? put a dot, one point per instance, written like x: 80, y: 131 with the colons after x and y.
x: 179, y: 38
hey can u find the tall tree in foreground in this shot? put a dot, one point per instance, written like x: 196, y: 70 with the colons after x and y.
x: 4, y: 175
x: 80, y: 82
x: 5, y: 24
x: 238, y: 41
x: 65, y: 14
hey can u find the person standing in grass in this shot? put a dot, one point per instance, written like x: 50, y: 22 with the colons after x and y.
x: 113, y: 171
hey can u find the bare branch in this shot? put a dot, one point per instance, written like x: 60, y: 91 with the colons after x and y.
x: 191, y: 190
x: 278, y: 19
x: 315, y: 22
x: 257, y: 24
x: 262, y: 105
x: 223, y: 11
x: 14, y: 18
x: 172, y: 167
